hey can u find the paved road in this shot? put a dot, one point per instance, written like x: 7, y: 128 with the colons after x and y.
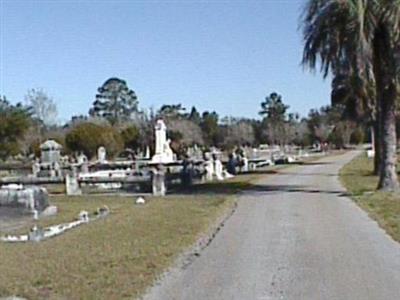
x: 295, y: 237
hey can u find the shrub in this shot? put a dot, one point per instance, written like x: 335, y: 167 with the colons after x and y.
x: 130, y: 137
x: 88, y: 137
x: 357, y: 136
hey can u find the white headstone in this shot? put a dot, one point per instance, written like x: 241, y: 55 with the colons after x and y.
x: 101, y: 154
x: 84, y: 216
x: 140, y: 200
x: 50, y: 211
x: 36, y: 168
x: 209, y: 168
x: 82, y: 158
x: 50, y: 151
x: 218, y: 169
x: 147, y: 155
x: 72, y: 185
x: 245, y: 167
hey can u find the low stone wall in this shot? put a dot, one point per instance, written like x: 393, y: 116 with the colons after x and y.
x: 29, y: 198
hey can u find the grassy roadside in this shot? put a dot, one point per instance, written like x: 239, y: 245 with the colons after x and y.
x: 113, y: 258
x: 383, y: 207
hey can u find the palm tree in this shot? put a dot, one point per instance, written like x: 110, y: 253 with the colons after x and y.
x: 357, y: 95
x: 364, y: 33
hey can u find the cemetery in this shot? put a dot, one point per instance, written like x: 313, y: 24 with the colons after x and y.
x: 187, y: 150
x: 145, y: 175
x: 139, y: 204
x: 163, y: 169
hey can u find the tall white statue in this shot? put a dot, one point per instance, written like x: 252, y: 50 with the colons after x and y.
x: 161, y: 136
x: 101, y: 154
x: 164, y: 152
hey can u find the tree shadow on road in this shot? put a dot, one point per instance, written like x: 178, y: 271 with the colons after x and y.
x: 268, y: 189
x: 314, y: 163
x: 233, y: 188
x: 249, y: 182
x: 308, y: 174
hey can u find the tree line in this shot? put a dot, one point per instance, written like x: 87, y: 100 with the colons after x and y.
x: 116, y: 122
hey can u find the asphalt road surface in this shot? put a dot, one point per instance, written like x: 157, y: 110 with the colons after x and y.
x: 296, y: 236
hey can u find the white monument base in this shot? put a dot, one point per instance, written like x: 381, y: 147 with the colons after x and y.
x: 162, y: 159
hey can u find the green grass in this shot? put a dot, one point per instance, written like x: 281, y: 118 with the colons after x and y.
x: 381, y: 206
x: 112, y: 258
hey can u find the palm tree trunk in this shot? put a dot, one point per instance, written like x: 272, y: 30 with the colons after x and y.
x: 388, y: 176
x: 386, y: 93
x: 377, y: 144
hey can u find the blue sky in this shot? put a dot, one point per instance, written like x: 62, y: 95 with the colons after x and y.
x: 217, y: 55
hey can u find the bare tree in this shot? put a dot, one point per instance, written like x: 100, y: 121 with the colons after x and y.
x: 43, y: 106
x: 238, y: 132
x: 190, y: 131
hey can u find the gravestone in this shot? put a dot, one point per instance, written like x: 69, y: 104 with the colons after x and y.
x: 163, y: 151
x: 50, y: 152
x: 85, y: 167
x: 245, y: 166
x: 83, y: 162
x: 147, y: 154
x: 140, y: 200
x: 232, y: 164
x: 101, y: 154
x: 36, y: 168
x: 36, y: 234
x: 57, y: 169
x: 72, y: 185
x: 84, y: 216
x: 50, y: 158
x: 158, y: 186
x: 218, y: 169
x: 31, y: 198
x: 209, y: 168
x: 82, y: 158
x: 50, y: 211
